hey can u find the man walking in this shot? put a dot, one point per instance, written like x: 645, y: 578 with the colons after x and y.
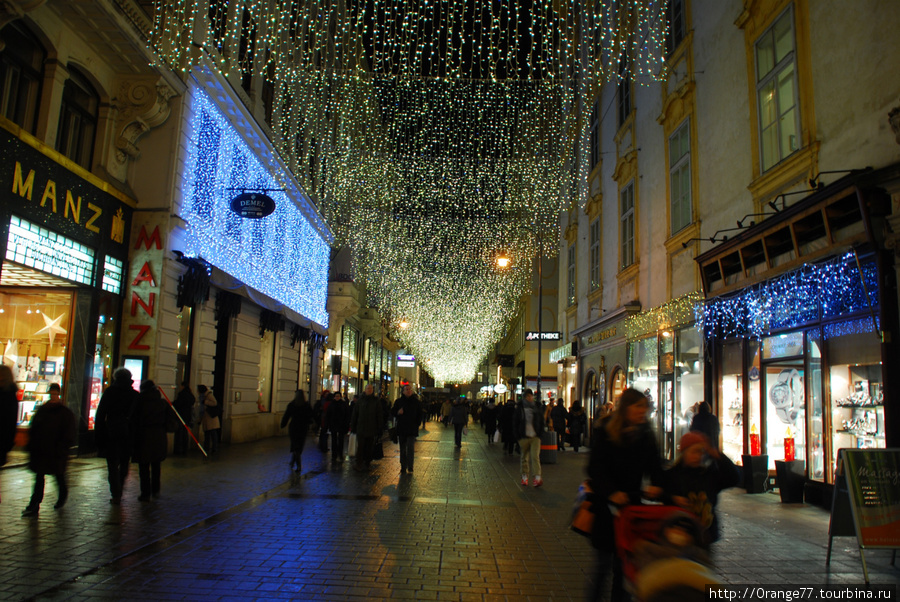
x: 528, y: 426
x: 367, y: 422
x: 337, y: 420
x: 50, y: 435
x: 113, y: 431
x: 559, y: 415
x: 408, y: 411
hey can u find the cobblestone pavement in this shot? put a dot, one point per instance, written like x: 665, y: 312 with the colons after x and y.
x: 239, y: 526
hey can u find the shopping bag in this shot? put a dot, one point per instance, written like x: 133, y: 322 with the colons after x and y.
x: 582, y: 516
x: 497, y: 437
x: 351, y: 445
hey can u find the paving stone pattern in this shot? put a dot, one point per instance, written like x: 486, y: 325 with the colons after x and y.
x: 240, y: 526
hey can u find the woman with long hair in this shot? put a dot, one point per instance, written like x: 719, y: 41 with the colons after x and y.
x: 623, y: 454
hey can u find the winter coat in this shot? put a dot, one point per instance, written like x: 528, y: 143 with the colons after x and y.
x: 149, y: 423
x: 559, y: 415
x: 446, y: 408
x: 507, y: 412
x: 519, y: 420
x: 299, y: 415
x: 112, y: 423
x: 208, y: 422
x: 701, y: 486
x: 622, y: 467
x: 184, y: 404
x: 459, y: 414
x: 367, y: 419
x: 51, y: 434
x: 489, y: 418
x: 708, y: 424
x: 337, y: 416
x: 9, y: 415
x: 577, y: 424
x: 408, y: 422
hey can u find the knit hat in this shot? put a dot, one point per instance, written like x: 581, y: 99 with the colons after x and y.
x: 693, y: 438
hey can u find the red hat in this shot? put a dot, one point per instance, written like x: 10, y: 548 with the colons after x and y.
x: 693, y: 438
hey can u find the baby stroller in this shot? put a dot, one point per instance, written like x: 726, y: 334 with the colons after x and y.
x: 661, y: 558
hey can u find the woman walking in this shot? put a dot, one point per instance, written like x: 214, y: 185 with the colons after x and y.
x: 299, y: 414
x: 623, y: 453
x: 150, y: 421
x: 210, y: 420
x: 577, y: 424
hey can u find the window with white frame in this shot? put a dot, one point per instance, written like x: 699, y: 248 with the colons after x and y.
x: 595, y: 134
x: 680, y: 176
x: 595, y: 254
x: 776, y: 89
x: 677, y: 26
x: 627, y: 219
x: 571, y: 271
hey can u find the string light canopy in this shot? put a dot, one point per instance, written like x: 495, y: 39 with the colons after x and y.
x: 428, y: 131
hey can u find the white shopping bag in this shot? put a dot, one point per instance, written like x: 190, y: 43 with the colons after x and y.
x: 351, y: 445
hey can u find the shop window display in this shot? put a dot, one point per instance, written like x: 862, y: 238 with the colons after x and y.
x: 857, y: 399
x: 688, y: 378
x: 816, y: 425
x: 754, y: 416
x: 643, y: 369
x: 102, y: 366
x: 34, y: 329
x: 732, y: 395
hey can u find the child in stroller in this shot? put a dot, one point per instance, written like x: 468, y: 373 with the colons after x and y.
x: 661, y: 556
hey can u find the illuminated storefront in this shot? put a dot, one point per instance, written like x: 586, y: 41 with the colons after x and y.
x: 64, y: 243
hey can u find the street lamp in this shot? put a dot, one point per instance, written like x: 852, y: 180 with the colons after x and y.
x: 504, y: 261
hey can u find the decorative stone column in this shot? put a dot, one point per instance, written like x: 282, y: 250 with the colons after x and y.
x: 343, y: 302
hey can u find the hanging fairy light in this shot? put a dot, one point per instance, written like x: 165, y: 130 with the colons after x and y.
x: 428, y: 131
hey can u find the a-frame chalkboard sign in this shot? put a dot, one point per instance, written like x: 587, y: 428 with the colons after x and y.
x: 866, y: 501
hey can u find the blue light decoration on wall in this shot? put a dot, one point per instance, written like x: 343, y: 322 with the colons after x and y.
x: 813, y: 292
x: 282, y: 255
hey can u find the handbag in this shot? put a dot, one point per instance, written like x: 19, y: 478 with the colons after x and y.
x: 497, y: 437
x: 351, y: 445
x: 582, y: 515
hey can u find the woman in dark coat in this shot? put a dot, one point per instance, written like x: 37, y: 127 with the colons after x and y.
x: 299, y: 414
x: 50, y: 435
x: 149, y: 423
x: 507, y: 414
x: 577, y: 424
x: 623, y: 453
x: 489, y: 418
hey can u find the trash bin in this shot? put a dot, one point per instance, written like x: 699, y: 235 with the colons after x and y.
x: 548, y: 447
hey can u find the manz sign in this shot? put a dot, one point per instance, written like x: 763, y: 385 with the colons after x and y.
x: 532, y: 335
x: 253, y: 205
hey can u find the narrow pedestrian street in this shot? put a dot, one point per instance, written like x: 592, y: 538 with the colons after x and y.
x: 240, y: 526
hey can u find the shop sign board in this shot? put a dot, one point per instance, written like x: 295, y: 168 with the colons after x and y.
x: 253, y: 205
x: 45, y: 192
x: 532, y: 335
x: 600, y: 335
x: 561, y: 353
x: 783, y: 345
x: 47, y: 251
x: 868, y: 481
x: 406, y: 361
x: 500, y: 389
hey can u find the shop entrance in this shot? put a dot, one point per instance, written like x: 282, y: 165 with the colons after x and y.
x: 784, y: 410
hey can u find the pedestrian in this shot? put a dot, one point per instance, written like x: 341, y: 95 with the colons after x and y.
x: 446, y: 408
x: 210, y: 420
x: 408, y: 412
x: 577, y: 424
x: 320, y: 420
x: 184, y: 405
x: 367, y: 422
x: 50, y: 436
x: 112, y: 430
x: 150, y: 421
x: 489, y: 418
x: 9, y: 411
x: 507, y: 412
x: 559, y: 416
x: 700, y: 472
x: 623, y: 454
x: 528, y: 425
x: 705, y: 421
x: 299, y: 414
x: 337, y: 420
x: 459, y: 417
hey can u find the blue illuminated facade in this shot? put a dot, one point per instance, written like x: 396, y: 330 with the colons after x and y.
x: 283, y: 255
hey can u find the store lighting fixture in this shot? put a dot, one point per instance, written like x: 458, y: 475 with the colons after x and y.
x: 29, y: 312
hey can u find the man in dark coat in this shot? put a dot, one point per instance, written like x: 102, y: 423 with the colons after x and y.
x: 367, y: 422
x: 184, y: 405
x: 506, y: 427
x: 489, y: 418
x: 559, y: 415
x: 299, y: 415
x: 337, y: 420
x: 408, y: 411
x: 51, y: 434
x: 705, y: 422
x: 149, y: 422
x: 459, y: 417
x: 112, y: 429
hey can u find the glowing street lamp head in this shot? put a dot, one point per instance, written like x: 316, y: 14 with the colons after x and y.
x: 404, y: 324
x: 503, y: 261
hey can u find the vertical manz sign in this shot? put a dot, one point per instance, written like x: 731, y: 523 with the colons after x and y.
x: 868, y: 481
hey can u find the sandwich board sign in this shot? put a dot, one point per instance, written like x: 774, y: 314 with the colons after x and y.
x: 866, y: 500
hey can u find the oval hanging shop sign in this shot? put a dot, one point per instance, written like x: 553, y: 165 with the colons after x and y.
x: 253, y: 205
